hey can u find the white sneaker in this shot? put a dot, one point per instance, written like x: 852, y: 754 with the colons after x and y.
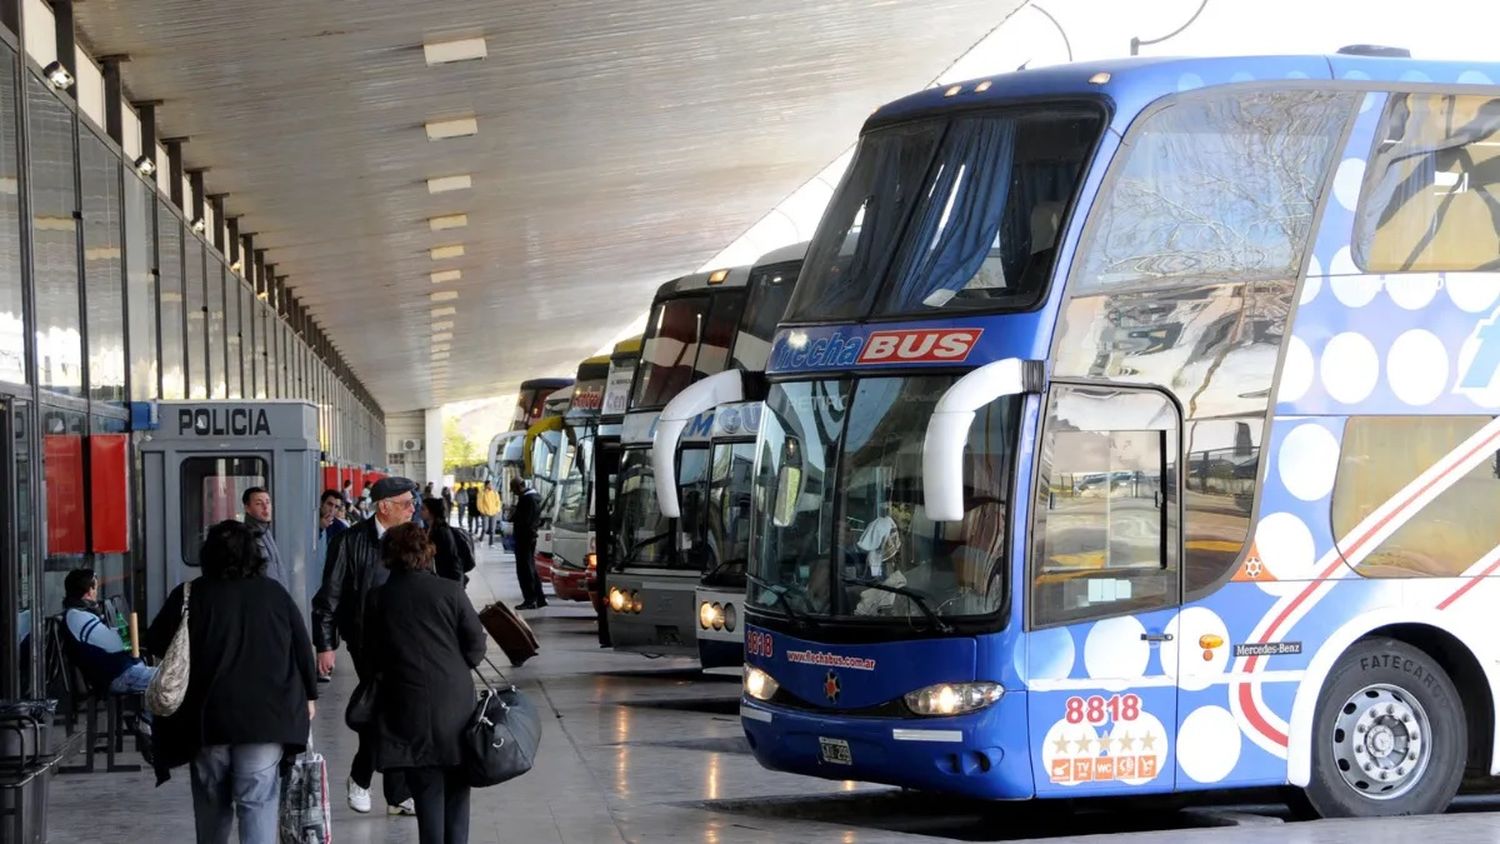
x: 405, y: 807
x: 359, y: 798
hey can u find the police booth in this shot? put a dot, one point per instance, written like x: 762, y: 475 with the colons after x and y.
x: 197, y: 464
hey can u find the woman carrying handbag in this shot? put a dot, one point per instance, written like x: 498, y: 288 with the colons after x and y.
x: 249, y: 692
x: 423, y: 636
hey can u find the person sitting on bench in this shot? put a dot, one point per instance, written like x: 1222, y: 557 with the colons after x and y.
x: 102, y: 656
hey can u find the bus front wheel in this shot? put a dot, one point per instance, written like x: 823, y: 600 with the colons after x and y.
x: 1389, y: 736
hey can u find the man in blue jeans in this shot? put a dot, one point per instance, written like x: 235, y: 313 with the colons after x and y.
x: 100, y: 653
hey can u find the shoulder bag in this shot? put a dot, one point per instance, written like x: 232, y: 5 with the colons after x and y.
x: 500, y: 740
x: 169, y: 685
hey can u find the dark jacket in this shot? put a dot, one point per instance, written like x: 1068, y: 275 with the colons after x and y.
x: 251, y: 672
x: 274, y: 569
x: 423, y: 637
x: 527, y: 517
x: 447, y: 561
x: 352, y: 571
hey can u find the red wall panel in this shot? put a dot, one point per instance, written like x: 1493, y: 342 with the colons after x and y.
x: 62, y: 467
x: 109, y: 477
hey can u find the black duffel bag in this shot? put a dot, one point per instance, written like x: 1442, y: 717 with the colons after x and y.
x: 501, y: 738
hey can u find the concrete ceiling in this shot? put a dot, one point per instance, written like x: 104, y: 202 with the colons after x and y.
x: 620, y: 143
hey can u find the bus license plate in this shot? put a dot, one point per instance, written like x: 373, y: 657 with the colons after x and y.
x: 835, y: 751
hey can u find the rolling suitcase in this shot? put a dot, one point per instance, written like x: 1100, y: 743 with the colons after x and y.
x: 306, y: 813
x: 510, y: 632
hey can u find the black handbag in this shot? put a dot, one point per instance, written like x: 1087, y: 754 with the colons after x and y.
x: 363, y: 706
x: 501, y: 738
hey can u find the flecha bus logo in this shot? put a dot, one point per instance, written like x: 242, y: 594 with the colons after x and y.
x: 920, y: 345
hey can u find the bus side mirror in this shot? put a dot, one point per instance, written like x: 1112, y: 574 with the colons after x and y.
x: 948, y: 430
x: 723, y: 388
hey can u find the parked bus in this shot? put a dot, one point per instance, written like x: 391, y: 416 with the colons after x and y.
x: 721, y: 527
x: 531, y: 400
x: 1008, y: 542
x: 542, y: 464
x: 656, y: 587
x: 569, y: 540
x: 623, y: 360
x: 509, y: 450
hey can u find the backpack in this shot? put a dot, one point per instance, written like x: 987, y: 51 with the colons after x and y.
x: 465, y: 546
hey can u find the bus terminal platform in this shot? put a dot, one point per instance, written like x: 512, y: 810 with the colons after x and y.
x: 638, y: 750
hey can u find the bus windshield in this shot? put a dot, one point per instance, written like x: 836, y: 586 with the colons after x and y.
x: 686, y: 338
x: 573, y: 493
x: 644, y: 533
x: 948, y: 214
x: 839, y: 525
x: 729, y: 513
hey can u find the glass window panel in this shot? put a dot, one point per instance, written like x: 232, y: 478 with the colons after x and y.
x: 1458, y: 528
x: 12, y: 324
x: 1431, y: 199
x: 729, y: 512
x: 218, y: 381
x: 669, y: 351
x: 54, y: 236
x: 104, y: 294
x: 770, y: 288
x: 212, y: 488
x: 197, y: 340
x: 1216, y: 188
x: 140, y: 288
x: 233, y: 348
x: 1105, y: 494
x: 169, y: 276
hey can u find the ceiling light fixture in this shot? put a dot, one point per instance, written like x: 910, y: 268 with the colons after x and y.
x: 146, y: 166
x: 440, y: 312
x: 200, y: 226
x: 442, y: 336
x: 443, y: 184
x: 439, y: 355
x: 442, y: 347
x: 442, y: 326
x: 446, y: 275
x: 456, y: 50
x: 459, y: 127
x: 444, y: 296
x: 448, y: 221
x: 58, y: 76
x: 439, y: 253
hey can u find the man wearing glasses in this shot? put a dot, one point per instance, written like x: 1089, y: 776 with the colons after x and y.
x: 353, y: 569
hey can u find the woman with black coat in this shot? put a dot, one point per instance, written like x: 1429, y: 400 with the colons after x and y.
x: 424, y: 637
x: 446, y: 561
x: 251, y: 688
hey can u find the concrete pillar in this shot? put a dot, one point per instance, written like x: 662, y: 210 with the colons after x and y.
x: 433, y: 452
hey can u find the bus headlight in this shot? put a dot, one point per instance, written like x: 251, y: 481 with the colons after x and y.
x: 759, y: 684
x: 709, y: 616
x: 635, y: 601
x: 591, y: 561
x: 616, y: 599
x: 731, y: 618
x: 953, y: 698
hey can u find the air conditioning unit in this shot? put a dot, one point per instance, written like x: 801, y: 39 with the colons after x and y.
x: 411, y: 444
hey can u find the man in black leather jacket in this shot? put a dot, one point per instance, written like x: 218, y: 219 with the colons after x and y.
x: 352, y: 570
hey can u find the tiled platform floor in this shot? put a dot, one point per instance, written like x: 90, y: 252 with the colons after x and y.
x: 617, y: 765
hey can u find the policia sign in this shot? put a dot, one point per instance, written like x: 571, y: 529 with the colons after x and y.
x: 223, y: 421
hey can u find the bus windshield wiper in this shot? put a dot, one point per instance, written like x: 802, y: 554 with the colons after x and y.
x: 650, y: 540
x: 781, y: 592
x: 916, y: 597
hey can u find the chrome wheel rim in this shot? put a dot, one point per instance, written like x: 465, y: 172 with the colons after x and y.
x: 1382, y: 742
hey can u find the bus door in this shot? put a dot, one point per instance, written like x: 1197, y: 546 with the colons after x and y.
x: 1104, y: 592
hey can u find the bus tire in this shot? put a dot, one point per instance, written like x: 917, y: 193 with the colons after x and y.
x: 1389, y: 735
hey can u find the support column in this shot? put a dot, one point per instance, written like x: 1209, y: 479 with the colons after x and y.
x: 432, y: 452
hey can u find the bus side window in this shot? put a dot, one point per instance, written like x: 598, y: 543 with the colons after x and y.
x: 1380, y: 456
x: 1106, y: 510
x: 1431, y: 187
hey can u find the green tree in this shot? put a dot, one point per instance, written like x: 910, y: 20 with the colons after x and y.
x: 458, y: 450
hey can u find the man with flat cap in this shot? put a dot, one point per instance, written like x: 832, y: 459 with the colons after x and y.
x: 353, y: 569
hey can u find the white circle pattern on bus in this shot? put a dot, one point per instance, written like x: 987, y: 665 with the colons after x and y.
x: 1308, y: 461
x: 1209, y: 744
x: 1472, y: 292
x: 1287, y: 553
x: 1349, y: 367
x: 1184, y: 657
x: 1347, y: 181
x: 1297, y: 371
x: 1417, y: 367
x: 1474, y: 77
x: 1114, y: 652
x: 1354, y: 291
x: 1413, y: 291
x: 1051, y: 654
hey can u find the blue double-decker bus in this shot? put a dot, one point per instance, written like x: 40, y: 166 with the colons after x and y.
x: 1133, y: 428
